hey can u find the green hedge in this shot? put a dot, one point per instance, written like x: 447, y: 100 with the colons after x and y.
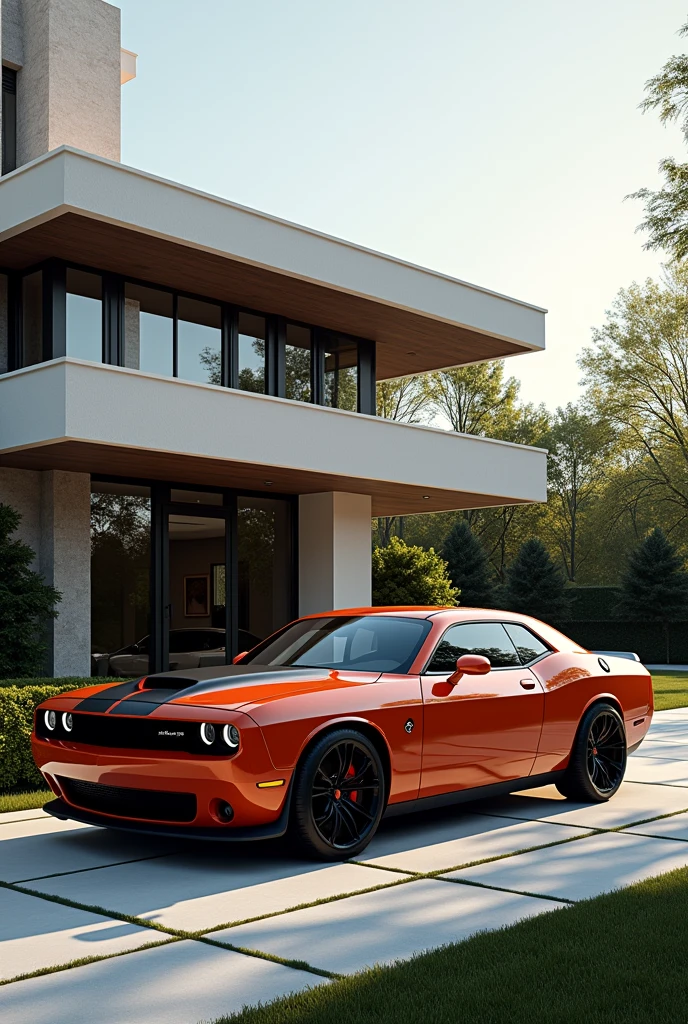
x: 18, y: 701
x: 64, y: 682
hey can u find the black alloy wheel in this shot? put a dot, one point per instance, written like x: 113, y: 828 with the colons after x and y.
x: 598, y: 758
x: 339, y: 795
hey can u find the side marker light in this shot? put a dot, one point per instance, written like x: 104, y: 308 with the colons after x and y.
x: 270, y: 785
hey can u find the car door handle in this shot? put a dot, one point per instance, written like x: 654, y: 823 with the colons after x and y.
x: 527, y: 684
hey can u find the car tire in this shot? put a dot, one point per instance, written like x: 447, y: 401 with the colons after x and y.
x: 598, y: 757
x: 331, y: 817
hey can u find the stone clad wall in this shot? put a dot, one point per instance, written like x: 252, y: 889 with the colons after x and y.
x: 67, y: 53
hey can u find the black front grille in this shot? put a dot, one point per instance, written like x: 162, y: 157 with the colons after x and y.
x: 118, y: 731
x: 152, y: 804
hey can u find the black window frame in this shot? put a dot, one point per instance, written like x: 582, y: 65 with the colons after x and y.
x: 494, y: 668
x: 113, y: 347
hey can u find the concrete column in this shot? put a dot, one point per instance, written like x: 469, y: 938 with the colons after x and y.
x: 132, y: 334
x: 334, y: 551
x: 65, y: 561
x: 68, y: 88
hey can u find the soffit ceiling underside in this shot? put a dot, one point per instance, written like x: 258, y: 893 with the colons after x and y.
x: 388, y: 498
x: 407, y: 342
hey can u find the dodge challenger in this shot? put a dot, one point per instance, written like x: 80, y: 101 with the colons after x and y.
x: 341, y: 718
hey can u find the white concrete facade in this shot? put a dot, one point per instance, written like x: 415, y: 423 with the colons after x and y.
x: 69, y: 400
x: 334, y: 551
x: 68, y: 181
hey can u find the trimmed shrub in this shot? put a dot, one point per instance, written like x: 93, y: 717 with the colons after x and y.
x: 17, y: 706
x: 405, y: 574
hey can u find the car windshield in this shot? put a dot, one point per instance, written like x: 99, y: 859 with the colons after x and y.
x: 366, y: 643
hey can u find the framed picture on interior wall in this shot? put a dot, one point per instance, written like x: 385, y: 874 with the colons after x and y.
x: 196, y: 596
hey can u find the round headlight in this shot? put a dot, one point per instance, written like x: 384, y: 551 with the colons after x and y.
x: 50, y: 719
x: 67, y: 721
x: 208, y: 733
x: 230, y: 734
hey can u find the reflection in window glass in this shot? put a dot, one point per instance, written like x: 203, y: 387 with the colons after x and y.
x: 488, y: 639
x: 341, y: 373
x: 199, y: 341
x: 251, y: 353
x: 529, y: 646
x: 196, y: 497
x: 297, y: 360
x: 120, y: 572
x: 148, y: 330
x: 32, y: 319
x: 84, y: 316
x: 264, y: 548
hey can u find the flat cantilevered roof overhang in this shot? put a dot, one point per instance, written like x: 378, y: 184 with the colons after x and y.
x: 91, y: 211
x: 92, y: 418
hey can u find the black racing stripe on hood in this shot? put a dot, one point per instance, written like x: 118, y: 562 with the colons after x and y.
x: 143, y: 702
x: 104, y: 700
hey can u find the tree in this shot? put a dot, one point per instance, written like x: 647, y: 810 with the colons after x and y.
x: 579, y: 451
x: 535, y: 584
x: 654, y: 586
x: 474, y: 399
x: 637, y: 378
x: 468, y: 566
x: 410, y: 575
x: 666, y: 210
x: 406, y: 400
x: 26, y: 603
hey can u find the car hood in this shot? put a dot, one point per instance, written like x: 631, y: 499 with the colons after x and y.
x: 226, y: 686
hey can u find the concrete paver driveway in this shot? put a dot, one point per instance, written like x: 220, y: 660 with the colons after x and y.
x: 176, y: 933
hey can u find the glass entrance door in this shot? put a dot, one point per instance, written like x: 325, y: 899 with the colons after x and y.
x: 196, y: 613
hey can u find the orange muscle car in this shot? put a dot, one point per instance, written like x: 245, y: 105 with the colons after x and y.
x: 340, y: 718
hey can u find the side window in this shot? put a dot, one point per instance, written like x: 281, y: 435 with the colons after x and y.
x: 528, y: 645
x: 487, y: 638
x: 183, y: 641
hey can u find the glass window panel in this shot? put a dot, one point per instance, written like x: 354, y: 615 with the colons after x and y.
x: 528, y: 645
x: 32, y: 319
x: 486, y: 638
x: 199, y: 341
x: 341, y: 373
x: 251, y: 353
x: 196, y: 497
x: 120, y: 578
x: 264, y: 554
x: 84, y: 316
x: 148, y: 330
x: 297, y: 363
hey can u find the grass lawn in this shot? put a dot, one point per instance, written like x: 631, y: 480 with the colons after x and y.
x: 619, y: 959
x: 671, y: 690
x: 24, y: 801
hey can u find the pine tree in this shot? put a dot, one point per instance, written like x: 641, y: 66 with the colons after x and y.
x: 404, y: 574
x: 654, y: 586
x: 468, y: 566
x: 535, y: 585
x: 25, y: 603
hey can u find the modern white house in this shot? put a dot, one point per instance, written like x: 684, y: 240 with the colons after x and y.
x: 187, y: 386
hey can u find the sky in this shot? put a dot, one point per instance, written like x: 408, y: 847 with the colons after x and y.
x: 494, y: 141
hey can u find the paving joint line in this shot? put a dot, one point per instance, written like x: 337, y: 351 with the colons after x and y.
x: 83, y: 962
x: 94, y: 867
x: 173, y: 935
x: 514, y: 892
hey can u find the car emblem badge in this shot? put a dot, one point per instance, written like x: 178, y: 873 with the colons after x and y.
x: 409, y: 725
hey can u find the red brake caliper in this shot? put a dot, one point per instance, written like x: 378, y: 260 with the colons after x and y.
x: 354, y: 792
